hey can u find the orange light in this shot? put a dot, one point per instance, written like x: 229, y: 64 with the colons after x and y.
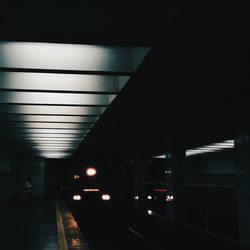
x: 76, y: 177
x: 91, y: 190
x: 160, y: 190
x: 91, y: 171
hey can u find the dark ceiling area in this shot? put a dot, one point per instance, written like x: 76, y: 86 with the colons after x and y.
x: 191, y: 89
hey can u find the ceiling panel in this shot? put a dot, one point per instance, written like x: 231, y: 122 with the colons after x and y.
x: 51, y: 110
x: 48, y: 118
x: 61, y: 82
x: 45, y: 131
x: 43, y: 139
x: 22, y: 135
x: 55, y: 98
x: 47, y: 125
x: 51, y: 95
x: 70, y: 56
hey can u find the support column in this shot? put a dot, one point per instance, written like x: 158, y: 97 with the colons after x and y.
x: 170, y: 188
x: 176, y: 159
x: 242, y: 149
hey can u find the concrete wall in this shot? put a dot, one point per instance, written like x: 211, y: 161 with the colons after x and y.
x: 24, y: 167
x: 5, y: 178
x: 223, y: 169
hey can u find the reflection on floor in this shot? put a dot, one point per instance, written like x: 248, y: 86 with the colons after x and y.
x: 28, y: 225
x: 107, y: 229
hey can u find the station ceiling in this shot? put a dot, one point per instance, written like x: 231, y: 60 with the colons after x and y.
x: 192, y: 87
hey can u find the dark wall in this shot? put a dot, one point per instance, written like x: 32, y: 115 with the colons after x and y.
x: 24, y: 167
x: 215, y: 195
x: 55, y: 174
x: 5, y: 178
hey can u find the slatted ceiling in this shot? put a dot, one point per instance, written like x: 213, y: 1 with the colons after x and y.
x: 41, y: 135
x: 62, y: 82
x: 49, y: 144
x: 49, y: 118
x: 45, y: 131
x: 51, y: 95
x: 55, y: 98
x: 70, y: 56
x: 228, y: 144
x: 47, y: 125
x: 51, y: 110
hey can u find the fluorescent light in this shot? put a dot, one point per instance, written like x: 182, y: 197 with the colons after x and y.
x: 49, y: 144
x: 44, y: 136
x: 211, y: 148
x: 46, y: 140
x: 61, y: 82
x: 51, y: 110
x: 55, y: 98
x: 48, y: 125
x: 70, y: 56
x: 56, y: 148
x: 49, y: 118
x: 46, y: 131
x: 160, y: 156
x: 50, y: 154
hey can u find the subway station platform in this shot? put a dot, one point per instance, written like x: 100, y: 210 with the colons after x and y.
x: 38, y: 225
x: 28, y: 225
x: 42, y: 225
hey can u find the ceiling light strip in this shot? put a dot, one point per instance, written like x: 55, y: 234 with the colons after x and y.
x: 229, y: 144
x: 43, y: 98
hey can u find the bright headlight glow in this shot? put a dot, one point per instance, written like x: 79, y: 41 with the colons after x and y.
x: 150, y: 212
x: 77, y: 197
x: 106, y: 197
x: 91, y: 171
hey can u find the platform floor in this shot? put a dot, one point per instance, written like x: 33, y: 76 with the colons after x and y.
x: 26, y: 225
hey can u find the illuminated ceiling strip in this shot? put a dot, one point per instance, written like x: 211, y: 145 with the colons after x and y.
x: 53, y: 80
x: 52, y: 150
x: 50, y: 110
x: 46, y: 125
x: 55, y: 98
x: 46, y: 131
x: 46, y: 140
x: 160, y: 156
x: 54, y: 155
x: 211, y: 148
x: 70, y: 56
x: 61, y: 82
x: 47, y: 144
x: 42, y: 135
x: 59, y: 148
x: 49, y: 118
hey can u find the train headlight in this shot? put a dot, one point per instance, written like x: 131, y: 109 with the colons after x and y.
x: 106, y: 197
x: 91, y: 171
x: 77, y: 197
